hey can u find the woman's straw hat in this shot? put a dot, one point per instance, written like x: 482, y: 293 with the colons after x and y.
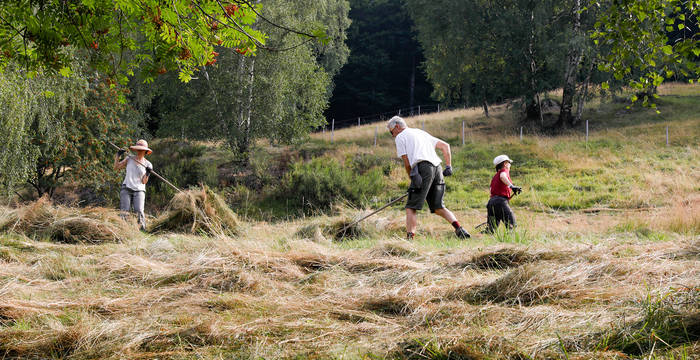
x: 141, y: 145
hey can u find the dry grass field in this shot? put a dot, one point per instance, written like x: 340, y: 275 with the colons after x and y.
x: 605, y: 262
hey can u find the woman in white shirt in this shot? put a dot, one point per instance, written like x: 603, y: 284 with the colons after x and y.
x: 133, y: 189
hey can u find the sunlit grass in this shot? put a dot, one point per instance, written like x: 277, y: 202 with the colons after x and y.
x: 603, y: 262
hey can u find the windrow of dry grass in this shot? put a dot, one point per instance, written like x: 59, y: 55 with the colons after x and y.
x: 42, y: 219
x: 271, y: 295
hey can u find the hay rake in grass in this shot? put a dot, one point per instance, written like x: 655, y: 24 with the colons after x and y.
x: 481, y: 227
x: 341, y: 233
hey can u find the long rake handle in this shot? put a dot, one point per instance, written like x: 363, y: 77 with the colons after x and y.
x: 152, y: 172
x: 372, y: 213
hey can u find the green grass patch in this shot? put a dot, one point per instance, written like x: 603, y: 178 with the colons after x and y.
x: 666, y: 321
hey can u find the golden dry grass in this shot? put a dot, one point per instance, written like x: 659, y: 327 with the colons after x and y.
x: 42, y: 219
x: 196, y: 211
x: 273, y: 294
x: 567, y: 284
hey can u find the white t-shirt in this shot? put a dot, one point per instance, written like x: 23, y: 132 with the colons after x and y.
x: 418, y: 145
x: 134, y: 174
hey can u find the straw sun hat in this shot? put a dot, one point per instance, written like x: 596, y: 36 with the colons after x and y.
x: 141, y: 145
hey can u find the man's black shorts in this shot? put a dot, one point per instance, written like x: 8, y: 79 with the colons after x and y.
x: 431, y: 190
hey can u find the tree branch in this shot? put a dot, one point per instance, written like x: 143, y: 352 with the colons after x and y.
x: 272, y: 23
x: 237, y: 27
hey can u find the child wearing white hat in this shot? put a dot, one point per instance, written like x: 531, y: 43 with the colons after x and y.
x: 502, y: 189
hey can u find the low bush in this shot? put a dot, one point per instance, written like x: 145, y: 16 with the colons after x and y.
x: 362, y: 163
x: 322, y: 182
x: 185, y: 164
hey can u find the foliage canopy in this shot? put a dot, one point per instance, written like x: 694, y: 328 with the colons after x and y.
x: 121, y: 36
x: 649, y: 41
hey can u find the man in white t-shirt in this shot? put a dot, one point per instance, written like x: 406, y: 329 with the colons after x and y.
x: 417, y: 149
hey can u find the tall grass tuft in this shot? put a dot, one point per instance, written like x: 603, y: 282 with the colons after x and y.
x: 511, y: 236
x: 683, y: 217
x: 667, y: 320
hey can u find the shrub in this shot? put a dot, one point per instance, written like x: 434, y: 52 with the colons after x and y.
x: 363, y: 163
x: 184, y: 164
x: 322, y: 182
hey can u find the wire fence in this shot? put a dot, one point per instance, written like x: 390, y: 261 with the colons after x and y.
x: 383, y: 116
x: 412, y: 111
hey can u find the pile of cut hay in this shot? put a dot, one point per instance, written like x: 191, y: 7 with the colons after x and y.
x: 197, y: 211
x: 369, y: 227
x: 321, y: 232
x: 41, y: 219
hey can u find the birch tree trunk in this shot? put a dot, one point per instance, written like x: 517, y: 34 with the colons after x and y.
x: 237, y: 124
x: 582, y: 98
x: 573, y: 60
x: 533, y: 65
x: 245, y: 141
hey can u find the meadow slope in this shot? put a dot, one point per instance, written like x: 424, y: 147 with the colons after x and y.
x: 605, y: 262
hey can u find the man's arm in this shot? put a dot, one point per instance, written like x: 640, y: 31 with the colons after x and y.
x: 446, y: 153
x: 406, y: 164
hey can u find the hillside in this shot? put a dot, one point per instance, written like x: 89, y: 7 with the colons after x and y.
x: 605, y: 262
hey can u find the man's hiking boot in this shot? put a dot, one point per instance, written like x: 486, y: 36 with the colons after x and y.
x: 461, y: 233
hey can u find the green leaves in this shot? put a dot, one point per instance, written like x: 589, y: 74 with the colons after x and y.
x: 667, y: 49
x: 65, y: 71
x: 113, y: 34
x: 321, y: 35
x: 639, y: 45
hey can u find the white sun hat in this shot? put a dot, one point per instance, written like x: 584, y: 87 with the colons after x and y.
x: 501, y: 158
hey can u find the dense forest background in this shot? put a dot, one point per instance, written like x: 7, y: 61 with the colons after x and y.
x: 385, y: 69
x: 78, y: 75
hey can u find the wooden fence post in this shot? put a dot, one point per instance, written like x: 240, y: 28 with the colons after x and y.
x: 332, y: 130
x: 462, y: 132
x: 376, y: 130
